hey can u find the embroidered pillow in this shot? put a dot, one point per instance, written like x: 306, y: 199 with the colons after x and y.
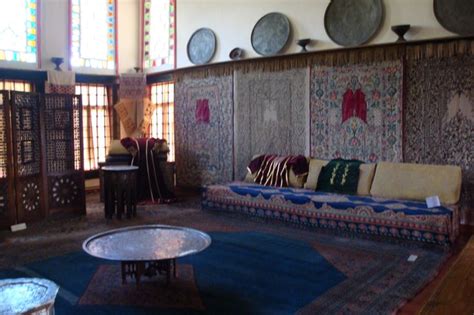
x: 340, y: 176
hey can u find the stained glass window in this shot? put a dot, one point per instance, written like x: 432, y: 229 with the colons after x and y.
x: 18, y: 31
x: 93, y: 34
x: 158, y: 33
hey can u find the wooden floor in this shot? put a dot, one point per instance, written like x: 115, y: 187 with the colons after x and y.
x: 455, y: 294
x: 416, y: 305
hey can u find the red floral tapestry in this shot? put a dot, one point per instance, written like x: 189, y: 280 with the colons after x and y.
x: 203, y: 124
x: 356, y: 111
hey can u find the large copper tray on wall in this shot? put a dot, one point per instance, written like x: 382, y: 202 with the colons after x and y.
x: 271, y: 34
x: 353, y: 22
x: 456, y: 16
x: 202, y: 46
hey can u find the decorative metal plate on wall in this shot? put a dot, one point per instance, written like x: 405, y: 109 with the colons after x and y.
x: 270, y: 34
x: 201, y: 46
x: 353, y: 22
x: 456, y: 16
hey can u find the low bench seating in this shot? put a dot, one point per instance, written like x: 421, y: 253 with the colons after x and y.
x: 370, y: 214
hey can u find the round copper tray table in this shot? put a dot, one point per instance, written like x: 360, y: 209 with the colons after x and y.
x: 147, y: 250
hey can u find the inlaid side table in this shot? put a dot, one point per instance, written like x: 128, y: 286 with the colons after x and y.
x: 32, y: 296
x: 120, y: 184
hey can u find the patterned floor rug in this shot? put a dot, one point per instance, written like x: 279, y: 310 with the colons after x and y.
x: 252, y: 267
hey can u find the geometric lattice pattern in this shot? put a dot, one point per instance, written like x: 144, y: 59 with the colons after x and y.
x: 58, y: 115
x: 3, y: 197
x: 26, y: 133
x: 56, y: 120
x: 63, y: 123
x: 3, y: 135
x: 77, y: 134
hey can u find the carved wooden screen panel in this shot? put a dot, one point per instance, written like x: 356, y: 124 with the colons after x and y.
x: 64, y: 160
x: 27, y: 156
x: 7, y: 200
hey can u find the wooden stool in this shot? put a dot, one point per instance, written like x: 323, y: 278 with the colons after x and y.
x: 120, y: 184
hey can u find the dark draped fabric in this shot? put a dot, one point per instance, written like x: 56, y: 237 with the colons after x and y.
x: 298, y: 163
x: 273, y: 170
x: 149, y: 156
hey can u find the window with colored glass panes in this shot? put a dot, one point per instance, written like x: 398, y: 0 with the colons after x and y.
x: 93, y: 34
x: 18, y: 31
x: 159, y: 33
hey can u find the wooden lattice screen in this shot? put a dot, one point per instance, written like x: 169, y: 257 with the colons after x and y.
x: 41, y: 162
x: 64, y: 160
x: 7, y: 200
x: 27, y: 157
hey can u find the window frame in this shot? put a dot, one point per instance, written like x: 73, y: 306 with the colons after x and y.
x: 160, y: 68
x: 21, y: 65
x: 24, y: 82
x: 110, y: 81
x: 89, y: 70
x: 36, y: 78
x: 170, y: 134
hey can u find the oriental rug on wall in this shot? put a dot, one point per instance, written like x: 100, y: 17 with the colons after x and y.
x: 439, y: 118
x: 356, y: 111
x: 203, y: 124
x: 271, y: 115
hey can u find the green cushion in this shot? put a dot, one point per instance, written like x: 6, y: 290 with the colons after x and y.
x: 340, y: 176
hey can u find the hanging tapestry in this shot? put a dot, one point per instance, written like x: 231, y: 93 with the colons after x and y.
x: 134, y: 108
x: 439, y: 118
x: 203, y: 124
x: 132, y: 86
x: 271, y: 114
x: 61, y: 82
x: 356, y: 111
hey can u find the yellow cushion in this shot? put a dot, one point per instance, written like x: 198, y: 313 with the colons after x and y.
x: 366, y: 175
x: 296, y: 181
x: 249, y: 177
x: 117, y: 148
x: 315, y: 167
x: 417, y: 181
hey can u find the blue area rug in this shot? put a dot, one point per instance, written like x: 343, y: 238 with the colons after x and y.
x: 247, y: 273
